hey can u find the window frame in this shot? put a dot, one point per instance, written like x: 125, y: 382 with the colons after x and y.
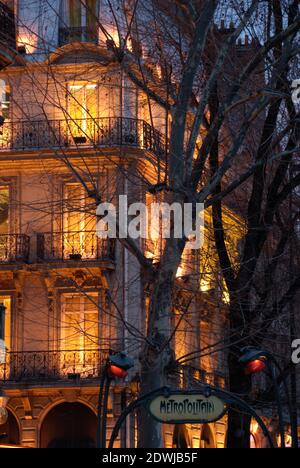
x: 82, y: 313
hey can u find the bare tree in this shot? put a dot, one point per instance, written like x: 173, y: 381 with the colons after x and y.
x: 232, y: 133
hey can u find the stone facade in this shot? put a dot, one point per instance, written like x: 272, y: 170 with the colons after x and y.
x: 68, y: 106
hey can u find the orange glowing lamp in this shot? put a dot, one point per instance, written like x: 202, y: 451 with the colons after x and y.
x: 117, y: 372
x: 118, y: 365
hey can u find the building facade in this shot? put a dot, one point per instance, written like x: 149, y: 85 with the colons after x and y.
x: 74, y: 124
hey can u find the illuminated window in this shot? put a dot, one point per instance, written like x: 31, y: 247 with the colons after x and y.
x: 82, y: 110
x: 4, y: 99
x: 4, y: 223
x: 80, y: 20
x: 4, y: 209
x: 6, y: 301
x: 79, y: 223
x: 79, y: 322
x: 154, y: 244
x: 89, y: 101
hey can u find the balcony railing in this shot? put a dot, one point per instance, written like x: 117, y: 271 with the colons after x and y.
x: 7, y: 26
x: 79, y: 34
x: 14, y: 248
x: 91, y: 133
x: 192, y: 376
x: 43, y: 366
x: 76, y: 246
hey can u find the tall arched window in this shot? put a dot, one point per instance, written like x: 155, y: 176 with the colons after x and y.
x: 79, y: 21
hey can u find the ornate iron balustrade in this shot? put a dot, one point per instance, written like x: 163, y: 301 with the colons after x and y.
x: 43, y: 366
x: 14, y: 248
x: 191, y: 376
x: 74, y: 246
x: 90, y: 133
x: 79, y: 34
x: 7, y: 26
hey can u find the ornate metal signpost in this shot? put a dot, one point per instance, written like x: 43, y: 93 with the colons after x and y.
x: 185, y: 408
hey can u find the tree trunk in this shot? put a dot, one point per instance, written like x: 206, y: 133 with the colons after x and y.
x: 157, y: 355
x: 152, y: 377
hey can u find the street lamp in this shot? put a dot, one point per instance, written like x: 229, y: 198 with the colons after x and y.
x: 254, y: 359
x: 257, y: 361
x: 117, y: 366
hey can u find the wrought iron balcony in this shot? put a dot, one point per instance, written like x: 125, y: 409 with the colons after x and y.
x: 7, y: 26
x: 76, y: 246
x: 191, y: 376
x: 81, y: 133
x: 79, y: 34
x: 14, y: 248
x: 48, y: 366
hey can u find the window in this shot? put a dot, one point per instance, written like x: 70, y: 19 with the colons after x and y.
x: 79, y: 223
x: 6, y: 301
x: 4, y: 99
x: 82, y: 109
x: 80, y: 21
x: 89, y: 101
x: 4, y: 208
x: 154, y: 243
x: 5, y: 246
x: 79, y: 322
x: 91, y: 109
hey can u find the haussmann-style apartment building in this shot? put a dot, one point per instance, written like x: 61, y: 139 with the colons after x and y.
x: 63, y: 106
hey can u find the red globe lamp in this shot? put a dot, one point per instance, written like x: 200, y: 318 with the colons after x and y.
x: 118, y: 365
x: 117, y: 372
x: 255, y: 367
x: 255, y: 360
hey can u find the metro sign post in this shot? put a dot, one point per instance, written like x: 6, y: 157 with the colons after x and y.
x: 169, y: 406
x: 187, y: 408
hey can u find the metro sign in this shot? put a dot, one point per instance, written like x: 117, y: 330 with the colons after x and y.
x: 187, y: 408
